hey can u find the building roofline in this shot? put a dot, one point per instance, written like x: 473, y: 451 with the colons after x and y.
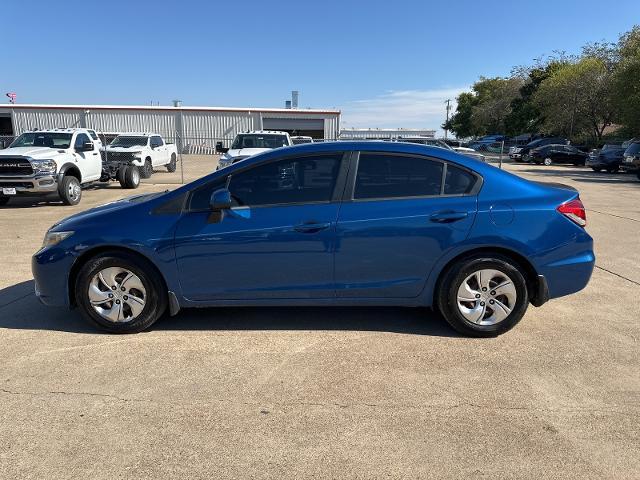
x: 169, y: 108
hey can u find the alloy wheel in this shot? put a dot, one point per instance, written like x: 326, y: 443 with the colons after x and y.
x: 117, y: 294
x: 486, y: 297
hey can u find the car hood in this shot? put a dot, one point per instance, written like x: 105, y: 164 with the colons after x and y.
x: 71, y: 222
x: 246, y: 152
x: 33, y: 152
x: 135, y: 149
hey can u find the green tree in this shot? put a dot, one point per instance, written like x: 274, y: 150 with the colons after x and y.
x: 626, y: 81
x: 576, y: 99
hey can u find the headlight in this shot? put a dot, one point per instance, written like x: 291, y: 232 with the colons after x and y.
x: 44, y: 166
x: 54, y: 238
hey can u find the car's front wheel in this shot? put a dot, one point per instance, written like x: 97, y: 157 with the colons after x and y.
x: 484, y: 295
x: 547, y: 161
x: 69, y: 190
x: 171, y: 166
x: 147, y: 169
x: 596, y: 169
x: 120, y: 293
x: 4, y: 200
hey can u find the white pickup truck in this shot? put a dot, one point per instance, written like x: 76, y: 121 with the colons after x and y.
x: 252, y: 143
x: 144, y: 150
x: 57, y: 161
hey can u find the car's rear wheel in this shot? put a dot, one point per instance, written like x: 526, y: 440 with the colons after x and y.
x: 596, y: 169
x: 548, y: 161
x: 120, y: 293
x: 612, y: 169
x: 129, y: 177
x: 484, y: 295
x: 171, y: 166
x: 69, y: 190
x: 147, y: 169
x: 4, y: 200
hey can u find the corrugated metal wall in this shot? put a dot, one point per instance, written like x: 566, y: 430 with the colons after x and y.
x: 196, y: 127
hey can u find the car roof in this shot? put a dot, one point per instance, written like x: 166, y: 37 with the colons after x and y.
x: 261, y: 132
x: 371, y: 146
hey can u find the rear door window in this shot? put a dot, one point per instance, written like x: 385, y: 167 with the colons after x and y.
x: 395, y: 176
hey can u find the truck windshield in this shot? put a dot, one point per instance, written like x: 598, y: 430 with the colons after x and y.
x: 128, y: 141
x: 259, y: 141
x: 43, y: 139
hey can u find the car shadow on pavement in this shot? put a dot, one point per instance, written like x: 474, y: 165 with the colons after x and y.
x: 21, y: 310
x: 585, y: 175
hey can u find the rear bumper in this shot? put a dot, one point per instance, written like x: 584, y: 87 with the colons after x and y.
x: 569, y: 275
x: 31, y: 185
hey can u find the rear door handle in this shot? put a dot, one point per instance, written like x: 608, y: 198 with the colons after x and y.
x: 448, y: 216
x: 311, y: 227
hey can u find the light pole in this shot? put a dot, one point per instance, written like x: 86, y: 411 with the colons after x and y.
x: 448, y: 102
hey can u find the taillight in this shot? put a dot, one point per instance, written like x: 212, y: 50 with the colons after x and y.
x: 574, y: 211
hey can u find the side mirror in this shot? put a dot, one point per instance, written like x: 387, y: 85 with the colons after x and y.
x: 219, y: 202
x: 86, y: 147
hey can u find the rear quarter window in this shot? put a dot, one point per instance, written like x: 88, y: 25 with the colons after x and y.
x: 458, y: 181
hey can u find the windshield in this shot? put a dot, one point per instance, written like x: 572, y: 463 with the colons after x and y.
x: 43, y: 139
x: 128, y: 141
x: 633, y: 149
x: 252, y: 140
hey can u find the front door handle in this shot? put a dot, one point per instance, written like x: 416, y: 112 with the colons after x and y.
x: 311, y: 227
x: 448, y: 216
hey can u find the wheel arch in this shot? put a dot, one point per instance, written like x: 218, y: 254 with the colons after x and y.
x: 102, y: 249
x: 530, y: 273
x: 70, y: 169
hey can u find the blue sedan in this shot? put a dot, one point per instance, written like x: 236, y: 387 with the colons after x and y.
x: 345, y: 223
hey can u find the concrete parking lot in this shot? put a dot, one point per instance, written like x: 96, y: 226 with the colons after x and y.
x: 327, y: 392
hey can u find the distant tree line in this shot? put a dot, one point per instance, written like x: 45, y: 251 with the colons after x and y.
x: 576, y: 96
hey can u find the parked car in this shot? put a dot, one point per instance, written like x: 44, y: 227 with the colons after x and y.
x: 608, y: 158
x: 44, y: 162
x: 632, y: 158
x: 145, y: 151
x: 300, y: 139
x: 549, y: 154
x: 336, y: 223
x: 520, y: 154
x: 247, y: 144
x: 434, y: 142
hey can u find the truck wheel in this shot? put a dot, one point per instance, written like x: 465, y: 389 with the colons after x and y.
x: 69, y: 190
x: 129, y: 177
x: 147, y: 169
x: 4, y: 200
x: 171, y: 166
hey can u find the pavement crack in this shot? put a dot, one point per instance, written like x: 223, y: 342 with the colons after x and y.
x: 618, y: 275
x: 61, y: 392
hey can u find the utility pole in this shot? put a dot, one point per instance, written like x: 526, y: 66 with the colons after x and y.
x: 448, y: 102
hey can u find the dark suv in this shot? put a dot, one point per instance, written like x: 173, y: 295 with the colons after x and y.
x: 631, y: 160
x: 608, y: 158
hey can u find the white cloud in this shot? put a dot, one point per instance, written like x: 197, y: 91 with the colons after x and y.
x: 401, y: 108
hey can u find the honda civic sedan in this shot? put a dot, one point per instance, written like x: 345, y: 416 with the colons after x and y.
x: 325, y: 224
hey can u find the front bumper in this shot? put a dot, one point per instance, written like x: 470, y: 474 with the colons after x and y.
x: 31, y: 185
x: 51, y: 268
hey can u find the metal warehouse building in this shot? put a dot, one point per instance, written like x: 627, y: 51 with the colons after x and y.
x: 192, y: 128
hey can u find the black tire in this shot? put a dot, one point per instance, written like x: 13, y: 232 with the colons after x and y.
x: 447, y: 294
x: 596, y: 169
x: 638, y: 174
x: 69, y: 190
x: 155, y: 297
x: 4, y: 200
x: 547, y: 162
x: 612, y: 169
x: 147, y: 169
x: 171, y: 166
x: 129, y: 177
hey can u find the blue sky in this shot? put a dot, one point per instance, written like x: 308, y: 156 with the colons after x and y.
x: 385, y: 64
